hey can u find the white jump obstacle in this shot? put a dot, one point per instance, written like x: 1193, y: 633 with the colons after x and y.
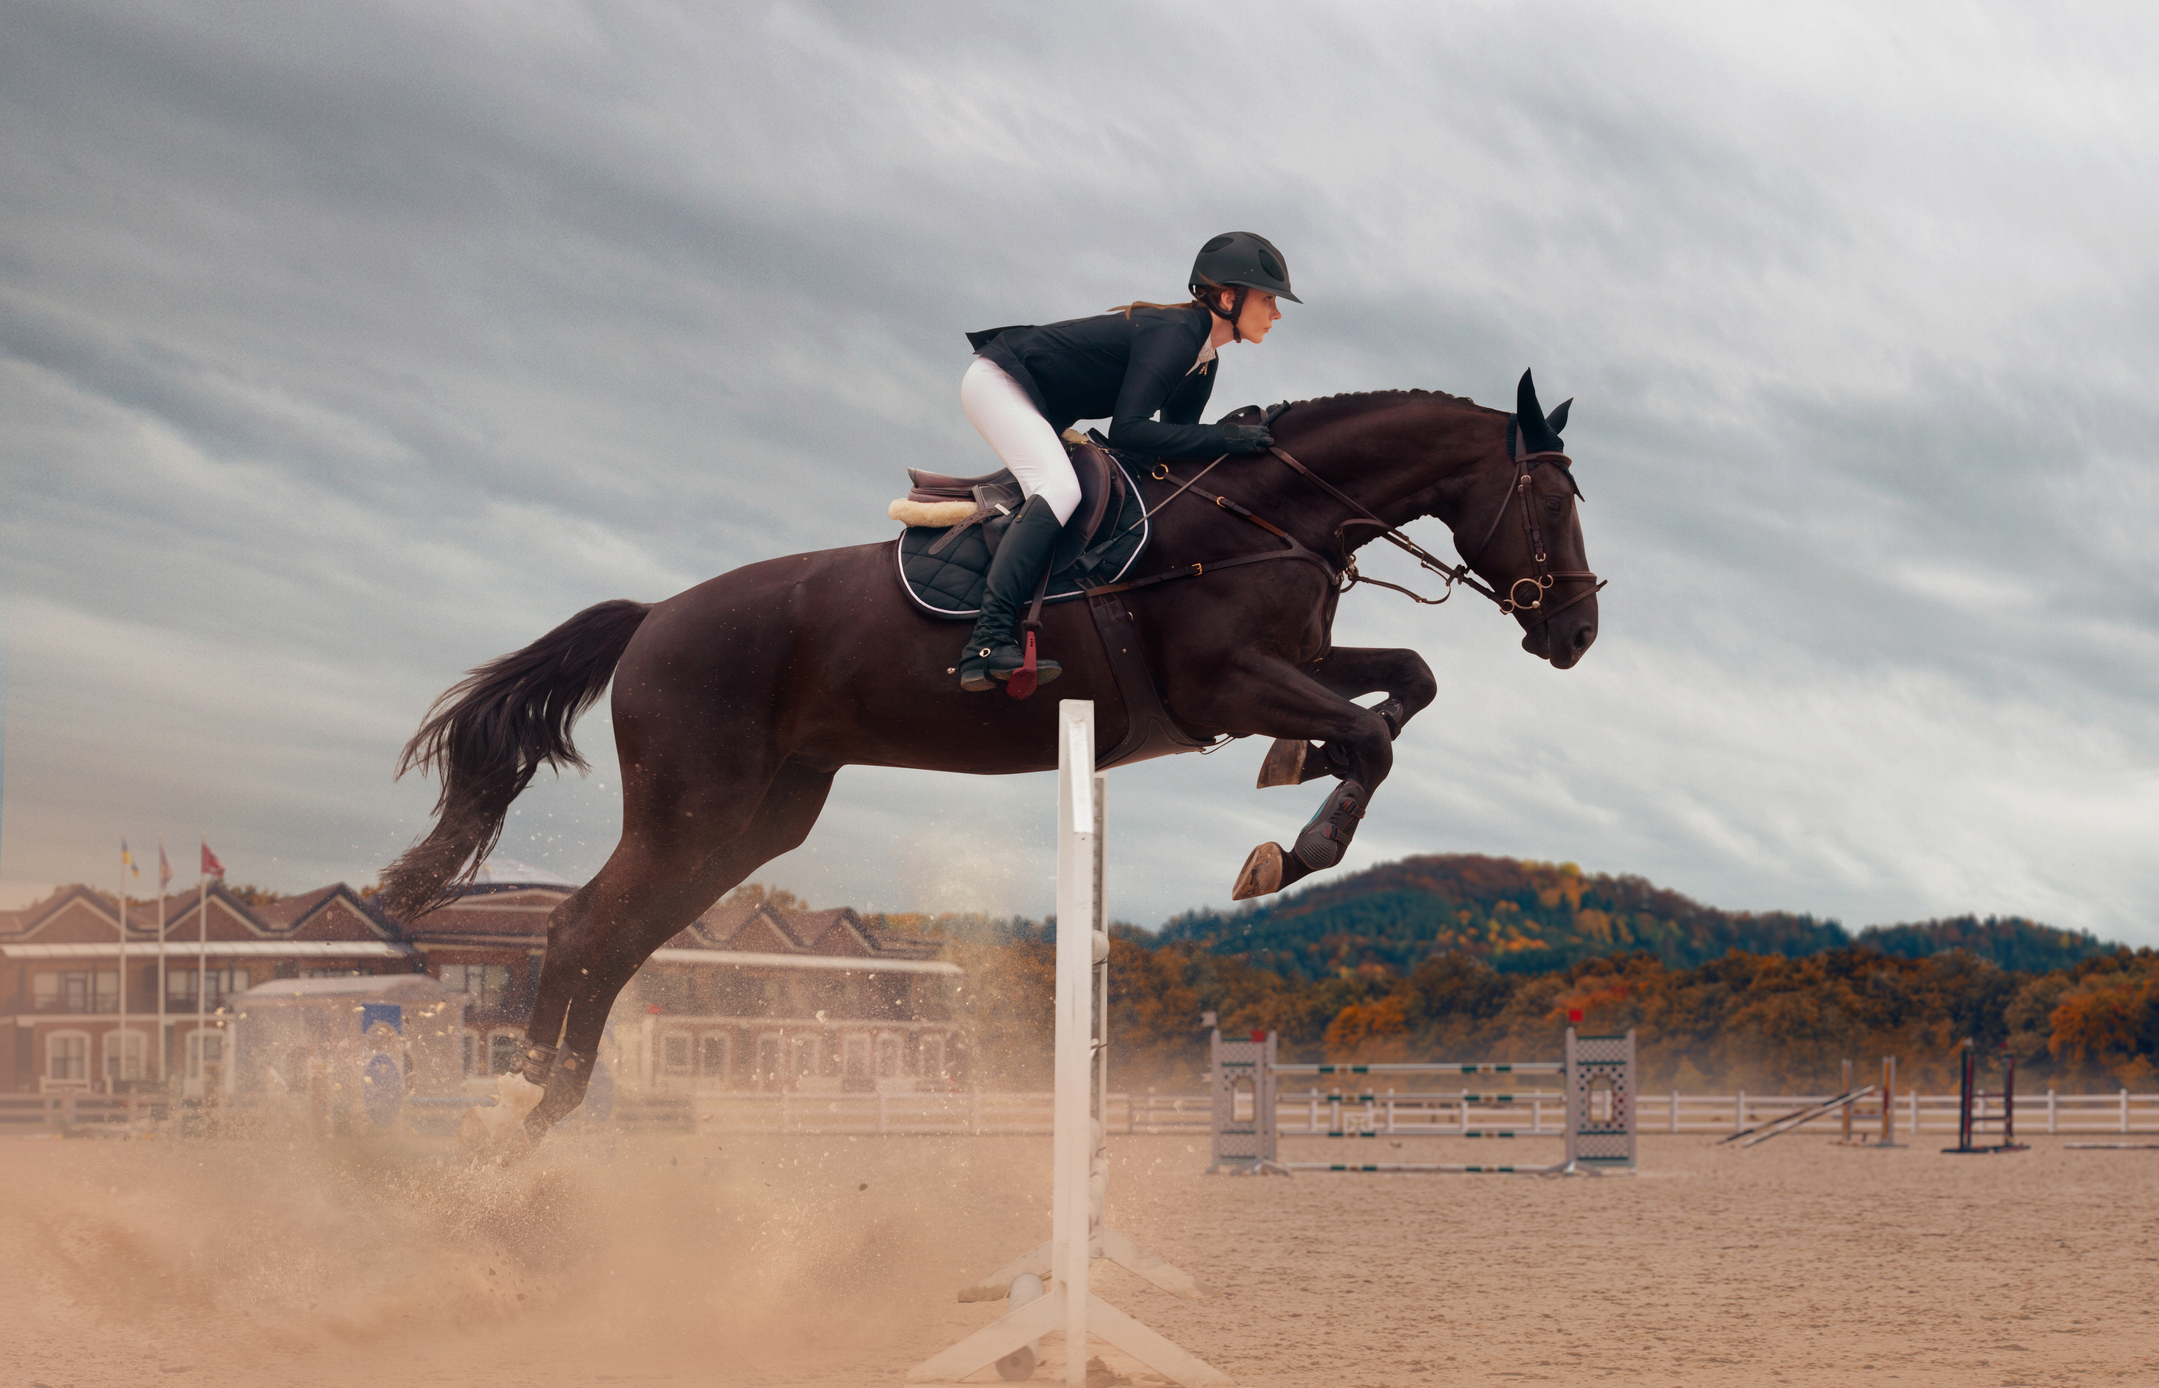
x: 1048, y: 1287
x: 1599, y: 1094
x: 1884, y: 1096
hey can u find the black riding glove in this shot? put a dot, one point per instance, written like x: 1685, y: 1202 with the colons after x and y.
x: 1246, y: 438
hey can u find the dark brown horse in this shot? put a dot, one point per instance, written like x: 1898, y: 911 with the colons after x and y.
x: 737, y: 701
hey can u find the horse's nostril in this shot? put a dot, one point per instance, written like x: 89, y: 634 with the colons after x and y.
x: 1583, y: 636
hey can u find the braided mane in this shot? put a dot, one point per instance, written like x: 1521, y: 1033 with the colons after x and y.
x: 1326, y: 409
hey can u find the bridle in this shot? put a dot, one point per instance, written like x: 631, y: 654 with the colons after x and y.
x: 1523, y: 490
x: 1345, y: 574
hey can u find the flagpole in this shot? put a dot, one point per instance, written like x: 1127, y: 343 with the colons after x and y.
x: 202, y: 981
x: 119, y: 1075
x: 164, y: 1042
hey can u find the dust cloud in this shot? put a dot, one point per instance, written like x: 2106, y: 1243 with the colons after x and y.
x: 634, y: 1259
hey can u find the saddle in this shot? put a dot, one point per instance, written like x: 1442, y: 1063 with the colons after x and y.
x: 937, y: 501
x: 954, y: 526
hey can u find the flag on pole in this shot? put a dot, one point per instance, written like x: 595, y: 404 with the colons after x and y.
x: 127, y: 860
x: 211, y: 867
x: 164, y: 866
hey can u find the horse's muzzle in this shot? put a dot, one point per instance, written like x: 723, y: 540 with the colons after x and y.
x: 1565, y: 641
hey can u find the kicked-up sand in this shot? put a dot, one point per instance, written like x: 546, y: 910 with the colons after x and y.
x: 834, y: 1261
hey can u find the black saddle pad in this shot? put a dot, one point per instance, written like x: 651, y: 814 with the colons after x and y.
x: 949, y: 583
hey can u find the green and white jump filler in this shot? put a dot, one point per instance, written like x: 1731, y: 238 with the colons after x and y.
x: 1599, y: 1089
x: 1047, y: 1288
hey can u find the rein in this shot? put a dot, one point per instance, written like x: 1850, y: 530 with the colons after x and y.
x: 1345, y: 576
x: 1524, y: 489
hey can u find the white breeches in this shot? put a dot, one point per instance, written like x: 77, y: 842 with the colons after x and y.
x: 1024, y: 441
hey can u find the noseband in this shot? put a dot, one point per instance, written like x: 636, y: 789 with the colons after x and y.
x: 1510, y: 603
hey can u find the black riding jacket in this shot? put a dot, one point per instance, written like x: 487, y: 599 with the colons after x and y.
x: 1121, y: 368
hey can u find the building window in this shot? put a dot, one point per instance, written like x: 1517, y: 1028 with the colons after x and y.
x: 665, y: 988
x: 855, y: 1061
x: 716, y: 1056
x: 502, y: 1057
x: 933, y: 1057
x: 75, y: 990
x: 888, y: 1057
x: 732, y: 994
x: 472, y: 1053
x: 205, y: 1048
x: 888, y: 996
x: 124, y: 1054
x: 488, y: 984
x: 67, y: 1056
x: 327, y: 973
x: 768, y: 1059
x: 675, y: 1053
x: 806, y: 1055
x: 180, y: 987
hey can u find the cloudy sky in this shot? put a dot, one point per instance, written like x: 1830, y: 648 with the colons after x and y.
x: 344, y: 346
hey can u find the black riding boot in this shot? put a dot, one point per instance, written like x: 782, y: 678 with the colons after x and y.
x: 993, y: 648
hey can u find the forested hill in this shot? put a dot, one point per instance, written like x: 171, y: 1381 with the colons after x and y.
x: 1529, y: 917
x: 2011, y: 942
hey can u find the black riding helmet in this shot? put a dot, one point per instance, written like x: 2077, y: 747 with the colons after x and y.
x: 1242, y: 261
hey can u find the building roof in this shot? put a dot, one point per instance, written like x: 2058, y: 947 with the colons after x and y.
x: 508, y: 907
x: 499, y: 871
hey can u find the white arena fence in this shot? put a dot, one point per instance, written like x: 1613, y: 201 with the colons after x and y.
x: 1304, y: 1112
x: 975, y: 1112
x: 1318, y: 1112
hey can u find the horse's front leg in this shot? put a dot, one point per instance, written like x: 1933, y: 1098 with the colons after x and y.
x: 1265, y: 693
x: 1352, y: 671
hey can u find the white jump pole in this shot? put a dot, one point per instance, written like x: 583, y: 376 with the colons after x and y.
x: 1079, y: 1169
x: 1073, y: 1121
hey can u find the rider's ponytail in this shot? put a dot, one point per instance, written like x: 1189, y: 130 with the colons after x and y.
x: 1196, y: 301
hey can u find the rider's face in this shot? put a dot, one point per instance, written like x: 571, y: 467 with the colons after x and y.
x: 1258, y: 316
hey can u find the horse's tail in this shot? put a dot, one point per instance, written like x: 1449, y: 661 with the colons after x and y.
x: 489, y: 733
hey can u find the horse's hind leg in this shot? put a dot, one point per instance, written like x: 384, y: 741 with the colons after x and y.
x: 650, y: 888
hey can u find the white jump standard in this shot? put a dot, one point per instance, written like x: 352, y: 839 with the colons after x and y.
x: 1598, y: 1075
x: 1047, y: 1288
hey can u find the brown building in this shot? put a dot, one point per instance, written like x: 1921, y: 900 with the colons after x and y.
x: 751, y: 997
x: 745, y: 997
x: 60, y: 976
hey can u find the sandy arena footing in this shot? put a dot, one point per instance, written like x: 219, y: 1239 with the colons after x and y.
x: 811, y: 1262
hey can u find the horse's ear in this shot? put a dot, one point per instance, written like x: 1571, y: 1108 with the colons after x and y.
x: 1538, y: 436
x: 1558, y: 418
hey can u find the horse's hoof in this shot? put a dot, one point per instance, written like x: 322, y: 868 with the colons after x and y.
x: 497, y: 1133
x: 1262, y: 873
x: 1325, y: 838
x: 1284, y: 765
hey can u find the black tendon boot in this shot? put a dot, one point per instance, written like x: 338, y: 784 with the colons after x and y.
x: 1325, y: 838
x: 565, y: 1091
x: 993, y: 649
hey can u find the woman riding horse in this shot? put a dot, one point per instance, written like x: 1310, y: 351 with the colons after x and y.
x: 1027, y: 385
